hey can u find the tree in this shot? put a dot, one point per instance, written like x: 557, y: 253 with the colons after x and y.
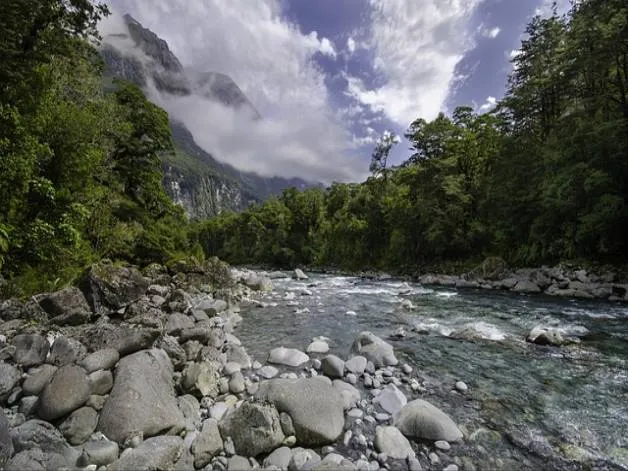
x: 379, y: 158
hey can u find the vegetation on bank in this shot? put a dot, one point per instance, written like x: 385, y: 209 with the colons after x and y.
x: 542, y: 178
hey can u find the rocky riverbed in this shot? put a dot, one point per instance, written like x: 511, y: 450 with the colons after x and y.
x: 143, y: 370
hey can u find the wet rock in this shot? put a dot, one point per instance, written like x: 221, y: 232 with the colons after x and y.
x: 391, y: 399
x: 316, y: 408
x: 541, y: 336
x: 254, y: 428
x: 526, y: 286
x: 317, y: 346
x: 356, y: 365
x: 158, y: 453
x: 66, y: 350
x: 142, y: 399
x: 6, y: 444
x: 374, y: 349
x: 287, y: 356
x: 9, y: 378
x: 68, y: 389
x: 333, y: 367
x: 207, y: 444
x: 101, y: 452
x: 110, y: 288
x: 102, y: 382
x: 66, y: 307
x: 298, y: 274
x: 104, y: 359
x: 30, y: 349
x: 258, y: 283
x: 390, y: 440
x: 420, y: 419
x: 79, y: 425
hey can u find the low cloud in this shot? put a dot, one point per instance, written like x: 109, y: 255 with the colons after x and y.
x: 300, y: 133
x: 491, y: 33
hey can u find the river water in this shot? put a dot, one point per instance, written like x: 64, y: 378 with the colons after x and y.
x: 527, y: 407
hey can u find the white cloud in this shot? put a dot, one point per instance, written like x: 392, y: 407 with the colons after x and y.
x: 491, y: 33
x: 351, y: 45
x: 514, y: 53
x: 490, y: 103
x: 272, y: 62
x: 545, y: 7
x: 417, y: 45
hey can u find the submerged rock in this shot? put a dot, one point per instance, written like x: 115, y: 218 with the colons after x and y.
x: 541, y: 336
x: 420, y: 419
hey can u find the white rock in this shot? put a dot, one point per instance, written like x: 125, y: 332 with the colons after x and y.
x: 318, y: 346
x: 287, y: 356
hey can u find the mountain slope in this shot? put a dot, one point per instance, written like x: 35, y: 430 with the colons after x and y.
x: 193, y: 177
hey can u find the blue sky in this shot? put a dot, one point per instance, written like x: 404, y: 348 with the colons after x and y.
x: 330, y: 76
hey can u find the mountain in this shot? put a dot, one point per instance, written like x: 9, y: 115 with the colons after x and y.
x: 194, y: 178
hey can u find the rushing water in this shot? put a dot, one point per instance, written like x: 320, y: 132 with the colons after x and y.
x: 528, y: 406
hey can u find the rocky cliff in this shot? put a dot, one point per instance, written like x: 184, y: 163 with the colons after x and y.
x: 195, y: 179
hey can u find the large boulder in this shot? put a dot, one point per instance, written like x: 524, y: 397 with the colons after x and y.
x: 254, y: 428
x: 391, y: 441
x: 158, y: 453
x: 420, y: 419
x: 287, y: 356
x: 6, y: 444
x: 30, y: 349
x: 66, y: 350
x: 124, y: 339
x: 66, y: 307
x: 108, y: 287
x: 526, y: 286
x: 374, y: 349
x: 142, y: 399
x: 40, y: 435
x: 68, y: 389
x: 333, y: 367
x: 316, y: 408
x: 207, y: 444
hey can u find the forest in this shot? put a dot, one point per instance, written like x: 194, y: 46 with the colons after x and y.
x: 540, y: 179
x: 543, y: 178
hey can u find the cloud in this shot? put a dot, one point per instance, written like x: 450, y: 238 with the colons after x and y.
x: 417, y: 46
x: 273, y: 63
x: 490, y: 103
x: 351, y: 45
x: 545, y: 7
x: 491, y: 33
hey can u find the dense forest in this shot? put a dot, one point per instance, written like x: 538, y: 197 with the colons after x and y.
x: 541, y: 178
x: 80, y: 173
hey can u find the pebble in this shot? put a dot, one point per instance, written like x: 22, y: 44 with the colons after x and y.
x: 407, y: 369
x: 355, y: 413
x: 414, y: 464
x: 351, y: 378
x: 382, y: 417
x: 461, y: 386
x: 442, y: 445
x: 451, y: 467
x: 351, y: 313
x: 434, y: 459
x: 347, y: 437
x: 316, y: 364
x: 368, y: 382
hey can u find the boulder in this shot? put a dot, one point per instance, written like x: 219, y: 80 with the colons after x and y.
x: 254, y: 428
x: 101, y: 452
x: 391, y: 399
x: 391, y: 441
x: 40, y: 435
x: 6, y: 444
x: 526, y: 286
x: 420, y: 419
x: 66, y: 307
x: 317, y: 346
x: 79, y: 425
x: 356, y: 365
x: 157, y: 453
x: 124, y: 339
x: 143, y: 398
x: 303, y: 459
x: 268, y: 372
x: 178, y: 322
x: 316, y: 408
x: 280, y: 458
x: 68, y: 389
x: 541, y: 336
x: 101, y: 381
x: 66, y: 350
x: 258, y: 283
x: 104, y: 359
x: 36, y: 460
x: 9, y: 378
x: 207, y: 444
x: 299, y: 274
x: 333, y: 367
x: 30, y: 349
x: 374, y: 349
x: 287, y: 356
x: 109, y: 288
x: 202, y: 377
x: 350, y: 395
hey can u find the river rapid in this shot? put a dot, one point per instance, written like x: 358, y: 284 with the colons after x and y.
x: 527, y: 406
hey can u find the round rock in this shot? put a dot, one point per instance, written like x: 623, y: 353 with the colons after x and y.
x: 68, y: 390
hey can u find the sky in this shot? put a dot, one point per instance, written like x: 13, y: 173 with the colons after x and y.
x: 331, y: 76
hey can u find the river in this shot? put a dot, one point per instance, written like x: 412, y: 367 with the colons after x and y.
x: 527, y: 406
